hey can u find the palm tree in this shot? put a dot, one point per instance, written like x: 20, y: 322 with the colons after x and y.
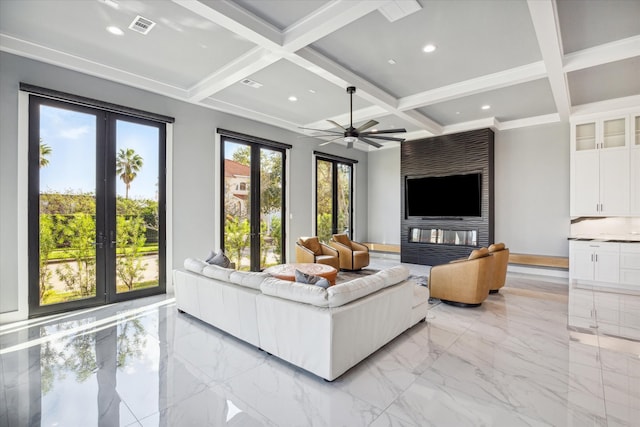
x: 45, y: 151
x: 128, y: 164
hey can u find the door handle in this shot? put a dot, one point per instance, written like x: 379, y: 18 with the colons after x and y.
x: 112, y: 239
x: 99, y: 243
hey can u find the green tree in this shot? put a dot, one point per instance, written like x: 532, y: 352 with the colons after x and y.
x: 236, y: 239
x: 47, y: 244
x: 45, y: 151
x: 128, y: 164
x: 130, y: 238
x: 80, y: 232
x: 276, y: 235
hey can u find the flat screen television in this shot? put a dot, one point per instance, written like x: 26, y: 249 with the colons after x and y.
x: 444, y: 196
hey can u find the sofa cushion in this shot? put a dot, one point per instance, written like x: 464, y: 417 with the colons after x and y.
x: 310, y: 279
x: 294, y: 291
x: 496, y: 247
x: 248, y: 279
x: 479, y: 253
x: 393, y: 275
x: 194, y: 265
x: 311, y: 243
x: 354, y: 289
x: 217, y: 272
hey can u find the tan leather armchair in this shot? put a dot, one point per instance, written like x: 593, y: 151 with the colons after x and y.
x: 463, y: 282
x: 353, y: 255
x: 310, y: 249
x: 500, y: 261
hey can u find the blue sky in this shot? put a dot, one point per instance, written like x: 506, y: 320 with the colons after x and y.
x: 72, y: 135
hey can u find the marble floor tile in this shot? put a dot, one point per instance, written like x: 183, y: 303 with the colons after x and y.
x: 513, y: 361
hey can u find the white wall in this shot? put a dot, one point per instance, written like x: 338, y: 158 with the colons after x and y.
x: 531, y: 191
x: 384, y: 196
x: 194, y: 165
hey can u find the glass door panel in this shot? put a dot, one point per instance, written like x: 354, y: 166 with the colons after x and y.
x: 63, y: 159
x: 344, y: 198
x: 271, y: 207
x: 586, y: 136
x: 137, y: 214
x: 614, y: 133
x: 95, y: 218
x: 333, y: 198
x: 324, y: 200
x: 237, y: 204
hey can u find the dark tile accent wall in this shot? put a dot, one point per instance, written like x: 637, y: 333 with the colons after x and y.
x: 448, y: 155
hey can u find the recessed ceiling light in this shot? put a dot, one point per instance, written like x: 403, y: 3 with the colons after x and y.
x: 457, y: 112
x: 429, y: 48
x: 293, y: 98
x: 392, y: 62
x: 486, y: 107
x: 312, y: 91
x: 115, y: 30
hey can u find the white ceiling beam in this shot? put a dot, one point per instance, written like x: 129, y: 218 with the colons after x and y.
x: 598, y: 55
x: 235, y: 71
x: 237, y: 20
x: 501, y: 79
x: 325, y: 20
x: 489, y: 122
x: 40, y: 53
x: 322, y: 66
x: 545, y: 22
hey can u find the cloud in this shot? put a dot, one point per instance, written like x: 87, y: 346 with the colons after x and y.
x: 75, y: 133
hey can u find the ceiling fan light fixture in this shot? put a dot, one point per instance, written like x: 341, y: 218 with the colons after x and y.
x: 350, y: 139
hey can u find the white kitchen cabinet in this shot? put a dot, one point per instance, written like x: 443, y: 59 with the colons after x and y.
x: 635, y: 165
x: 594, y: 262
x: 630, y: 264
x: 600, y: 176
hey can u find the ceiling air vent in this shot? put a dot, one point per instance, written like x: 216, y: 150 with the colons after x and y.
x: 142, y: 25
x: 251, y: 83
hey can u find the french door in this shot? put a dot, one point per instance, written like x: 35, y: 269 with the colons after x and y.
x: 253, y: 202
x: 334, y: 192
x: 96, y: 206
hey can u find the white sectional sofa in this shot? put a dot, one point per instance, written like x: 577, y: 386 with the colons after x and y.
x: 324, y: 331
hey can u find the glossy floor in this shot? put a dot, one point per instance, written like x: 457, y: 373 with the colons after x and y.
x: 510, y: 362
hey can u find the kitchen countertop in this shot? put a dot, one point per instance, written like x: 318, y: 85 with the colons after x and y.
x: 615, y: 238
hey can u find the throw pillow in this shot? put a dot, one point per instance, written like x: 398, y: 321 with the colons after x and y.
x: 220, y: 259
x: 209, y: 257
x: 310, y: 279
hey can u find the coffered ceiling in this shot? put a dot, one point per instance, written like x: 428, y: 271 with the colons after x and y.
x: 530, y: 62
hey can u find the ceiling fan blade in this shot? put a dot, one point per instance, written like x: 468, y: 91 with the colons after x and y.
x: 385, y: 138
x: 329, y: 141
x: 336, y: 125
x: 400, y: 130
x: 367, y: 125
x: 370, y: 142
x: 334, y: 132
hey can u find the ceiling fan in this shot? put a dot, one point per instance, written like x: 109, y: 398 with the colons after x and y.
x: 351, y: 134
